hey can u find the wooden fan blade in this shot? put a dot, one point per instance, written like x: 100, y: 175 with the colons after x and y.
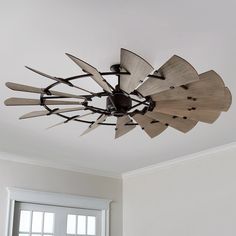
x: 23, y: 88
x: 146, y: 123
x: 67, y: 95
x: 46, y: 112
x: 121, y: 127
x: 221, y: 103
x: 87, y: 114
x: 30, y: 102
x: 48, y: 76
x: 209, y: 84
x: 31, y: 89
x: 183, y: 125
x: 93, y: 126
x: 138, y: 68
x: 55, y: 125
x: 176, y: 72
x: 197, y: 115
x: 65, y: 122
x: 96, y: 76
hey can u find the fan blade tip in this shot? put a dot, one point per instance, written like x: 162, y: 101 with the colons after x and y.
x: 70, y: 55
x: 48, y: 128
x: 25, y: 116
x: 177, y: 56
x: 6, y: 102
x: 85, y: 132
x: 124, y: 49
x: 118, y: 136
x: 229, y: 99
x: 212, y: 71
x: 8, y: 84
x: 30, y: 68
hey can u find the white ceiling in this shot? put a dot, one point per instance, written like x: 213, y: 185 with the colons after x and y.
x: 38, y: 33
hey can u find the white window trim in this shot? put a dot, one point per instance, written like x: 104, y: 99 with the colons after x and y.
x: 56, y: 199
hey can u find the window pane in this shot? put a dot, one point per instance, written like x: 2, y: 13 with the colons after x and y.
x: 91, y: 225
x: 23, y: 234
x: 37, y: 222
x: 25, y: 217
x: 71, y: 224
x: 48, y: 222
x: 81, y: 225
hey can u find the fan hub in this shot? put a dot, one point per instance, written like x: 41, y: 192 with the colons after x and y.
x: 119, y: 103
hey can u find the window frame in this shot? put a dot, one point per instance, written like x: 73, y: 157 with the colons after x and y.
x: 57, y: 199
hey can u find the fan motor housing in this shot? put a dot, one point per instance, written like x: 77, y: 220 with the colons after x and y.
x: 119, y: 103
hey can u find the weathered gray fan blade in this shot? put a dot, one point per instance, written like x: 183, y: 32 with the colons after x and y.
x: 209, y: 84
x: 138, y: 68
x: 93, y: 126
x: 149, y: 126
x: 31, y: 89
x: 57, y: 124
x: 46, y: 112
x: 48, y: 76
x: 221, y: 103
x: 65, y: 122
x: 121, y: 127
x: 176, y: 72
x: 29, y: 102
x: 183, y: 125
x: 61, y: 80
x: 91, y: 70
x: 197, y: 115
x: 23, y: 88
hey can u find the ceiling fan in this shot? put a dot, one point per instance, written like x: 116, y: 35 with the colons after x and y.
x: 174, y: 95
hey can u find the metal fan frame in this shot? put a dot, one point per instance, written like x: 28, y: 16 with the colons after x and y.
x: 115, y: 71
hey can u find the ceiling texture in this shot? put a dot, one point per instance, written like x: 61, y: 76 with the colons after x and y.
x: 39, y: 33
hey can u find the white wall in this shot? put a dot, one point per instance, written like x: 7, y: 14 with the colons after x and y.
x: 194, y: 197
x: 14, y: 174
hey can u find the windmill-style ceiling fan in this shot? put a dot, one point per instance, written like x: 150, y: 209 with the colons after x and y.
x: 174, y: 95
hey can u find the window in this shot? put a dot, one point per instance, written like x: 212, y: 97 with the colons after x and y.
x: 81, y: 225
x: 44, y: 220
x: 35, y: 223
x: 50, y: 214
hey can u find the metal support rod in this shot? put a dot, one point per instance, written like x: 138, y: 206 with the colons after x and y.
x: 109, y: 85
x: 140, y: 103
x: 133, y: 99
x: 97, y: 109
x: 100, y: 94
x: 103, y: 74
